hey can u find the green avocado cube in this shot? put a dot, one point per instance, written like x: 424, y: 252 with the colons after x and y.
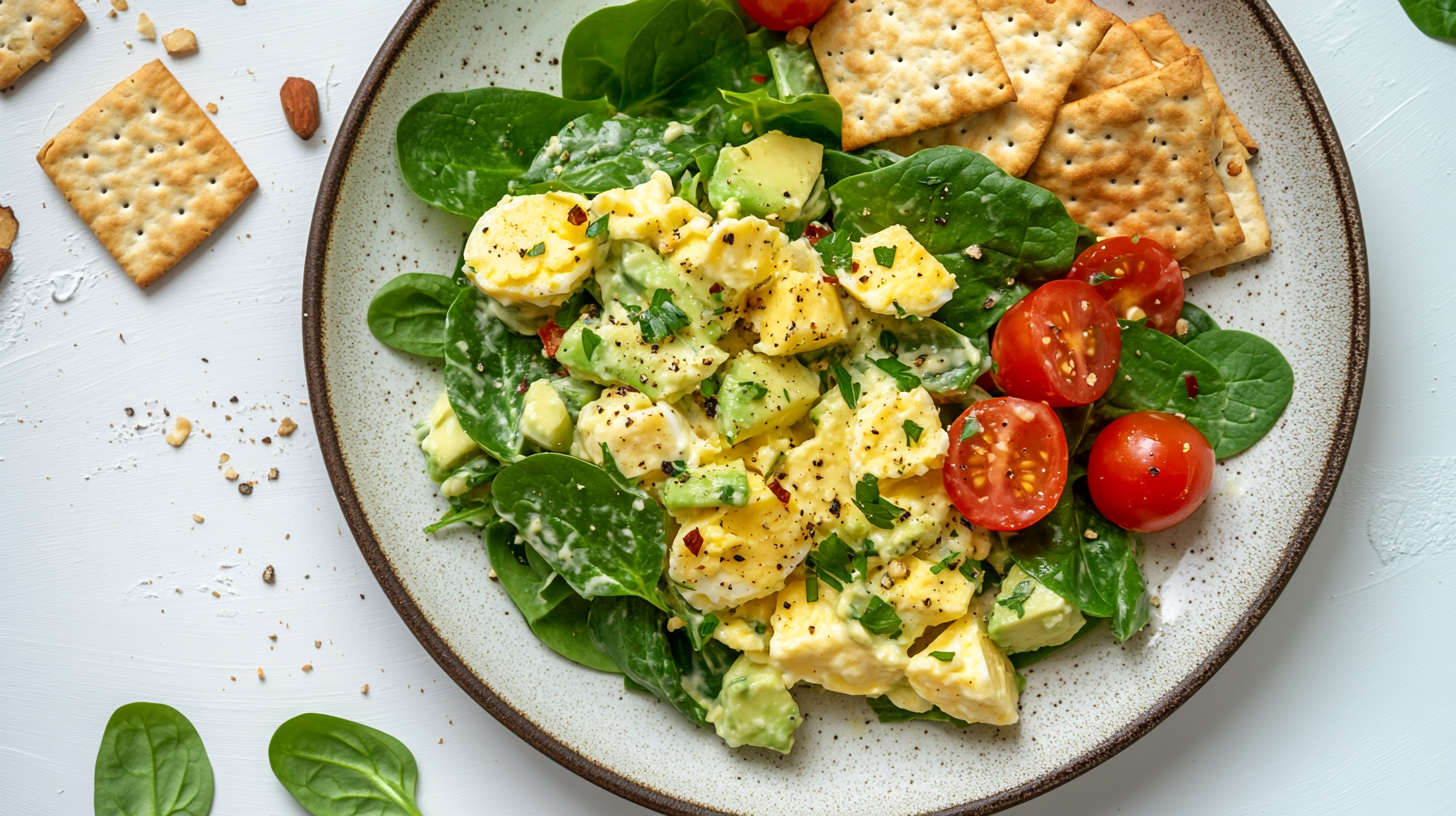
x: 773, y: 175
x: 760, y: 393
x: 754, y: 708
x: 1028, y: 616
x: 446, y: 445
x: 707, y: 486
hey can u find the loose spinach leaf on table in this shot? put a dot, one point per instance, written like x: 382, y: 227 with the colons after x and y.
x: 596, y: 48
x: 151, y: 763
x: 887, y: 712
x: 1023, y: 659
x: 335, y: 767
x: 634, y: 633
x: 1098, y: 575
x: 597, y: 153
x: 612, y: 542
x: 1153, y: 375
x: 460, y: 151
x: 1199, y: 322
x: 952, y: 199
x: 408, y: 313
x: 816, y: 117
x: 1435, y: 18
x: 1260, y: 384
x: 487, y: 369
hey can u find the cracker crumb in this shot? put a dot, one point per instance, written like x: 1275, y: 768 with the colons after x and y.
x: 441, y: 742
x: 1181, y: 327
x: 490, y: 573
x: 230, y: 474
x: 197, y: 518
x: 318, y: 644
x: 287, y: 426
x: 273, y: 637
x: 180, y: 42
x: 308, y: 667
x: 268, y: 574
x: 798, y: 35
x: 146, y: 27
x: 364, y: 689
x: 260, y: 672
x: 233, y: 677
x: 246, y: 488
x: 974, y: 251
x: 120, y: 5
x: 1155, y: 601
x: 211, y: 107
x: 216, y: 594
x: 181, y: 429
x: 221, y: 460
x: 111, y: 12
x: 272, y: 474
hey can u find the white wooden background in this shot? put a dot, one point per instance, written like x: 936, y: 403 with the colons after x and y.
x: 110, y: 592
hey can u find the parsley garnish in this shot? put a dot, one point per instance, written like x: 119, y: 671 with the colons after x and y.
x: 879, y: 511
x: 836, y: 251
x: 880, y: 618
x: 759, y: 391
x: 708, y: 388
x: 944, y: 657
x: 904, y: 315
x: 538, y: 249
x: 885, y: 256
x: 913, y: 431
x: 904, y: 380
x: 1018, y: 597
x: 811, y: 587
x: 590, y: 342
x: 848, y: 388
x: 971, y: 428
x: 707, y: 627
x: 830, y: 561
x: 727, y: 494
x: 969, y: 571
x: 598, y: 226
x: 944, y: 564
x: 662, y: 319
x: 787, y: 398
x: 889, y: 343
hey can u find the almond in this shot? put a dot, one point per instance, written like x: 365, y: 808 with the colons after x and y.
x: 301, y: 106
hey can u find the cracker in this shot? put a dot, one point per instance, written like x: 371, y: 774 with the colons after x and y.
x: 1238, y: 180
x: 1120, y: 58
x: 1164, y: 45
x: 1133, y: 159
x: 898, y: 66
x: 30, y: 30
x: 1227, y: 232
x: 148, y: 172
x: 1044, y: 45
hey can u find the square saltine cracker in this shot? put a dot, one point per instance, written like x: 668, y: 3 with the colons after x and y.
x: 1162, y: 43
x: 148, y: 172
x: 898, y: 66
x: 1237, y: 178
x: 1120, y: 58
x: 30, y: 30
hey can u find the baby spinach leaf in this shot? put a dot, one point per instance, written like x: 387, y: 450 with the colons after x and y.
x: 1435, y: 18
x: 836, y: 250
x: 683, y: 55
x: 1260, y: 385
x: 839, y: 165
x: 816, y: 117
x: 566, y: 631
x: 408, y: 313
x: 460, y: 151
x: 487, y: 370
x: 477, y: 512
x: 597, y: 152
x: 905, y: 380
x: 1152, y: 376
x: 887, y: 712
x: 335, y: 767
x: 612, y: 542
x: 634, y: 633
x: 151, y: 763
x: 596, y: 48
x: 1199, y: 322
x: 795, y: 70
x: 1023, y: 659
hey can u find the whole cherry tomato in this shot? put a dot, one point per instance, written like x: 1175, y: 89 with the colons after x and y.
x: 1149, y: 470
x: 1138, y: 278
x: 1008, y: 470
x: 782, y: 15
x: 1060, y: 344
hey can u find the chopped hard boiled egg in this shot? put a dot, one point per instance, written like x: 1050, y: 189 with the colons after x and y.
x: 532, y: 249
x: 813, y: 643
x: 977, y: 683
x: 641, y: 434
x: 921, y: 597
x: 798, y: 310
x: 649, y: 213
x: 737, y: 254
x: 896, y: 433
x: 895, y: 275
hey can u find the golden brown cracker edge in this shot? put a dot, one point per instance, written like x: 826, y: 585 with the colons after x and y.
x: 31, y: 30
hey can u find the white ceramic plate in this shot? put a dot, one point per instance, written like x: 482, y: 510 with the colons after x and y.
x: 1216, y: 575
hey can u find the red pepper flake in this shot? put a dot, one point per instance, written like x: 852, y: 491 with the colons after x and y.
x: 1190, y: 382
x: 816, y: 232
x: 523, y: 387
x: 831, y: 279
x: 853, y: 267
x: 550, y: 335
x: 779, y: 492
x: 693, y: 541
x: 715, y: 288
x: 760, y: 79
x: 576, y: 217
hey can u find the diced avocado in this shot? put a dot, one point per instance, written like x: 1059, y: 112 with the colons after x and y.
x: 575, y: 393
x: 473, y: 474
x: 617, y: 354
x: 707, y: 486
x: 1000, y: 557
x: 446, y: 446
x: 754, y: 708
x: 773, y: 175
x: 759, y: 393
x: 545, y: 419
x: 795, y: 70
x: 1044, y: 617
x: 633, y: 274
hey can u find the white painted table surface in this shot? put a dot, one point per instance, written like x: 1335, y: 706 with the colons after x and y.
x: 1340, y: 702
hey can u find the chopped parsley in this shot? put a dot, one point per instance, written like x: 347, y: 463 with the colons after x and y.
x: 836, y: 251
x: 889, y: 343
x: 971, y: 428
x: 708, y: 388
x: 885, y: 256
x: 759, y: 391
x: 830, y: 562
x: 787, y: 398
x: 848, y: 388
x: 707, y: 627
x: 968, y: 569
x: 944, y: 657
x: 662, y: 319
x: 879, y: 511
x: 538, y: 249
x: 1018, y: 597
x: 728, y: 494
x: 904, y: 315
x: 880, y: 618
x: 811, y: 587
x: 904, y: 379
x: 598, y: 226
x: 590, y: 342
x: 944, y: 564
x: 912, y: 432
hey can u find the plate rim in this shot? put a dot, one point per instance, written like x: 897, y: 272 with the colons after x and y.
x: 522, y: 726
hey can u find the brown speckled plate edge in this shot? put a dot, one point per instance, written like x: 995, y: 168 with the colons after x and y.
x: 313, y: 345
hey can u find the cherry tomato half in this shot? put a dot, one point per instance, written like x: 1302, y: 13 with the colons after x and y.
x: 1138, y: 278
x: 782, y: 15
x: 1149, y: 471
x: 1060, y: 344
x: 1010, y: 470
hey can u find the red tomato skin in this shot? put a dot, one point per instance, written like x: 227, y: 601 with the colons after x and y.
x: 1147, y: 279
x: 550, y: 335
x: 782, y: 15
x: 998, y: 508
x: 1141, y: 477
x: 1024, y: 366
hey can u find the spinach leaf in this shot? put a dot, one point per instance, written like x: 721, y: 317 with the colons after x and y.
x: 1260, y: 385
x: 151, y: 763
x: 795, y: 70
x: 816, y: 117
x: 683, y: 55
x: 985, y: 226
x: 700, y: 669
x: 598, y: 152
x: 887, y: 712
x: 1153, y: 376
x: 596, y: 48
x: 335, y: 767
x: 487, y: 369
x: 567, y: 632
x: 1199, y: 322
x: 408, y: 313
x: 477, y: 511
x: 839, y: 165
x: 1098, y: 575
x: 613, y: 540
x: 1435, y: 18
x: 1023, y: 659
x: 634, y: 633
x: 460, y: 151
x: 700, y: 626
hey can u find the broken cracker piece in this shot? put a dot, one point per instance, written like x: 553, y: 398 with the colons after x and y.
x: 1164, y: 45
x: 8, y: 227
x: 120, y: 5
x: 30, y: 30
x: 146, y: 27
x: 1133, y: 160
x: 897, y: 67
x: 1120, y: 58
x: 212, y: 107
x: 1233, y: 171
x: 180, y: 42
x: 148, y: 172
x: 1044, y: 45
